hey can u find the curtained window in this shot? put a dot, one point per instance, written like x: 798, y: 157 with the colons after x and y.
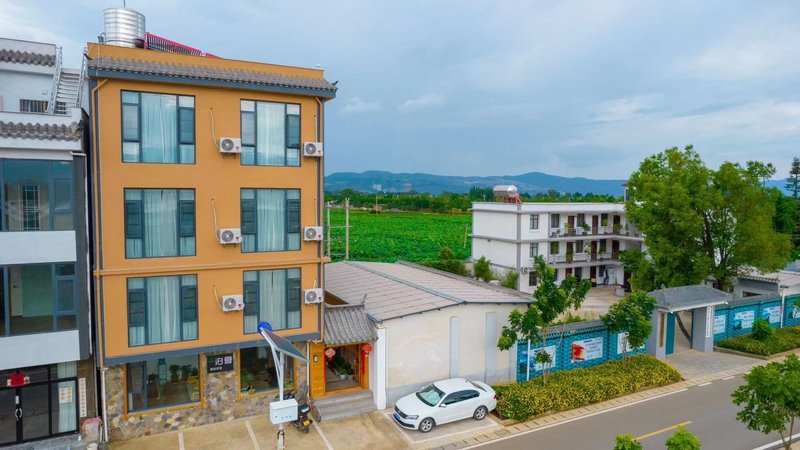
x: 274, y: 296
x: 162, y: 309
x: 37, y: 298
x: 157, y: 128
x: 270, y: 220
x: 159, y: 223
x: 270, y: 133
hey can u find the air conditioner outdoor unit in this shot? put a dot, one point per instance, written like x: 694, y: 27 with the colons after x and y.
x: 230, y: 236
x: 232, y: 303
x: 526, y: 269
x: 313, y: 296
x: 230, y: 145
x: 312, y: 149
x: 312, y: 234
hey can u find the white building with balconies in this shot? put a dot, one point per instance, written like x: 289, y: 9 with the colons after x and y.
x: 582, y: 239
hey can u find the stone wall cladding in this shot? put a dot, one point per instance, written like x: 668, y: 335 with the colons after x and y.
x: 220, y: 403
x: 87, y: 370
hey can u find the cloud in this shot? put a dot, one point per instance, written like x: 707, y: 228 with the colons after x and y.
x: 624, y: 108
x: 419, y: 103
x: 357, y: 106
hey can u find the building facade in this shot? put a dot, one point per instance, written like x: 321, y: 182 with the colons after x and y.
x: 177, y: 306
x: 47, y: 376
x: 582, y: 239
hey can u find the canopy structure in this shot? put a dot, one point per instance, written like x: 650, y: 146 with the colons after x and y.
x: 684, y: 298
x: 278, y: 343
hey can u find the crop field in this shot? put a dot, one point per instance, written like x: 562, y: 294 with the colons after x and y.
x: 407, y: 236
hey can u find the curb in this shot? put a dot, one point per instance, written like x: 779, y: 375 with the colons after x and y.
x: 562, y: 416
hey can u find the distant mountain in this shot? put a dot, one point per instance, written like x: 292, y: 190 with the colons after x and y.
x: 532, y: 183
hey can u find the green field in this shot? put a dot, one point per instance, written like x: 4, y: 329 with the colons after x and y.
x: 407, y: 236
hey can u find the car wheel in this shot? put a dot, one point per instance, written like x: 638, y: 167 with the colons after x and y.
x: 426, y: 425
x: 480, y: 413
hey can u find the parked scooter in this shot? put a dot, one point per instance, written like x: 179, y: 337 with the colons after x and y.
x: 303, y: 422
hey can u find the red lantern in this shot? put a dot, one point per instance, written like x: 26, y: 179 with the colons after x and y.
x: 329, y: 352
x: 366, y: 348
x: 17, y: 379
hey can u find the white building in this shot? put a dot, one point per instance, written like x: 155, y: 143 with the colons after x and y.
x: 583, y: 239
x: 46, y: 369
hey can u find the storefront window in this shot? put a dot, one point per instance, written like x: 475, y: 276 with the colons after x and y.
x: 163, y: 382
x: 257, y: 372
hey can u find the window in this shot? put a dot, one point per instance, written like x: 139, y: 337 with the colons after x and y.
x: 554, y: 248
x: 162, y: 309
x: 37, y: 195
x: 460, y: 396
x: 38, y: 298
x: 32, y: 106
x: 532, y: 281
x: 534, y: 249
x: 157, y: 128
x: 159, y: 223
x: 163, y: 382
x: 581, y: 220
x: 534, y: 221
x: 257, y: 373
x: 270, y: 134
x: 554, y: 220
x: 270, y: 220
x: 430, y: 395
x: 274, y: 296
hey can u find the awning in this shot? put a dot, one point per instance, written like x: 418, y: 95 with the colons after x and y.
x: 347, y: 324
x: 683, y: 298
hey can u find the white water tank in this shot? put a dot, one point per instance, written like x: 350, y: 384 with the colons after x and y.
x: 503, y: 191
x: 123, y: 27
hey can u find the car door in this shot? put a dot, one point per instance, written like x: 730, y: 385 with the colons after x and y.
x: 453, y: 407
x: 470, y: 400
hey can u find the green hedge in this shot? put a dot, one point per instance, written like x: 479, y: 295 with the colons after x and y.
x: 781, y: 340
x: 575, y: 388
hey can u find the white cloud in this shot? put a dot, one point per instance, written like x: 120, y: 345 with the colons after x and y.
x: 424, y: 102
x: 357, y: 106
x: 624, y: 108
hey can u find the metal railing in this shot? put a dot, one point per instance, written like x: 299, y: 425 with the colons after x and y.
x: 82, y: 78
x: 595, y: 231
x: 51, y: 105
x: 567, y: 258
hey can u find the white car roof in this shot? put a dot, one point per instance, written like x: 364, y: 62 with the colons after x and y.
x: 454, y: 384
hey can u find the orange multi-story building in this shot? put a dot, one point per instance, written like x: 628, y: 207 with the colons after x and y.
x: 197, y: 238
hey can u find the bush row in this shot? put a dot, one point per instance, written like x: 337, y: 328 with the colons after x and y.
x: 781, y: 340
x: 580, y: 387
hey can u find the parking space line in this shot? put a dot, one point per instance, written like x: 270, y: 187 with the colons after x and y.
x: 472, y: 431
x: 322, y: 435
x: 727, y: 378
x: 180, y: 441
x: 252, y: 435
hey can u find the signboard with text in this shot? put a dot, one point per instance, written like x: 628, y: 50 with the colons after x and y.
x: 587, y: 349
x: 220, y: 363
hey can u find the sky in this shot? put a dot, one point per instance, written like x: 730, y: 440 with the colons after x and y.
x: 569, y: 88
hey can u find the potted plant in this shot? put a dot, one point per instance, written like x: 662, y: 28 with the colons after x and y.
x: 152, y: 386
x: 604, y: 224
x: 586, y: 228
x: 342, y: 371
x: 617, y: 228
x: 185, y: 372
x: 246, y: 381
x: 569, y: 255
x: 173, y: 373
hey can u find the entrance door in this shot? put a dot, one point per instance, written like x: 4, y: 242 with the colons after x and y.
x: 8, y: 420
x: 24, y: 413
x: 594, y: 250
x: 595, y: 223
x: 614, y: 249
x: 617, y: 224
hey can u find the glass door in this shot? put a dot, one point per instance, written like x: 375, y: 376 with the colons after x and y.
x: 35, y: 406
x: 8, y: 419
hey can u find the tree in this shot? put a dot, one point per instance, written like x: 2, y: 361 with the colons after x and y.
x: 700, y: 222
x: 551, y: 300
x: 449, y: 263
x: 510, y: 279
x: 626, y: 442
x: 631, y: 315
x: 482, y: 269
x: 793, y: 182
x: 760, y: 171
x: 771, y: 398
x: 683, y: 440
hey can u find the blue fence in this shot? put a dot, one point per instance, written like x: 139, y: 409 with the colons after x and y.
x: 573, y: 346
x: 736, y: 318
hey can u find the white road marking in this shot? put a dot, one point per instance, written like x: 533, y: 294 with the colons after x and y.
x: 582, y: 417
x: 324, y: 439
x: 728, y: 378
x: 252, y: 435
x: 704, y: 384
x: 773, y: 444
x: 404, y: 432
x: 180, y: 441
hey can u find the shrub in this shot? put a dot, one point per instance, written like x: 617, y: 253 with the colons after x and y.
x: 683, y: 440
x: 510, y: 280
x: 626, y: 442
x: 778, y: 341
x: 762, y: 329
x: 580, y: 387
x: 482, y: 269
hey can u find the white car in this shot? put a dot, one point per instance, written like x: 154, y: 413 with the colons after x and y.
x: 444, y: 401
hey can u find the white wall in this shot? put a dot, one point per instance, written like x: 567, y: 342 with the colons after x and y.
x: 39, y: 349
x: 418, y: 347
x: 31, y: 247
x: 21, y: 85
x: 494, y: 224
x: 498, y: 252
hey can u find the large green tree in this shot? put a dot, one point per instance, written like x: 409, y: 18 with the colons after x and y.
x: 551, y: 300
x: 700, y: 222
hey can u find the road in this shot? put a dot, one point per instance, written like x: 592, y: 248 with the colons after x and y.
x: 706, y: 411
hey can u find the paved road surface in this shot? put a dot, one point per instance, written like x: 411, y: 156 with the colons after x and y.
x: 709, y: 410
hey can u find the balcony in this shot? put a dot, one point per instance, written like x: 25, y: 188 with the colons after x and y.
x: 566, y: 232
x: 577, y: 258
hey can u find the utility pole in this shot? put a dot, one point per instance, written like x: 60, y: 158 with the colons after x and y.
x: 347, y: 229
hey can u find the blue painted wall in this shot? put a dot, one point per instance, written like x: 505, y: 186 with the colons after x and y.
x: 736, y: 319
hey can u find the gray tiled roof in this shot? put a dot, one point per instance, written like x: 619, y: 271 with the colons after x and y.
x: 21, y: 130
x: 208, y: 73
x: 686, y: 297
x: 347, y: 324
x: 16, y: 56
x: 390, y: 291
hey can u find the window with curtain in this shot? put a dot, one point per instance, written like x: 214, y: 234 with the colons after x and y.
x: 36, y: 195
x: 554, y: 220
x: 534, y: 222
x: 274, y: 296
x: 157, y: 128
x: 270, y: 220
x: 257, y: 371
x: 162, y: 309
x: 159, y: 223
x: 534, y: 249
x: 162, y: 383
x: 37, y: 298
x: 270, y: 133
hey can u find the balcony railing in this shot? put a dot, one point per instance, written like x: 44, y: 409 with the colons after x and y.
x: 595, y: 231
x: 567, y: 258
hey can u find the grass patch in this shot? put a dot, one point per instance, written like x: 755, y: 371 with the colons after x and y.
x: 783, y: 339
x: 575, y: 388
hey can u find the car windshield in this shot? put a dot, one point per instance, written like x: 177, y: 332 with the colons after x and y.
x: 430, y: 395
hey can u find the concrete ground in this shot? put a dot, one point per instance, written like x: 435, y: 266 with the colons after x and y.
x: 597, y: 301
x: 693, y: 364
